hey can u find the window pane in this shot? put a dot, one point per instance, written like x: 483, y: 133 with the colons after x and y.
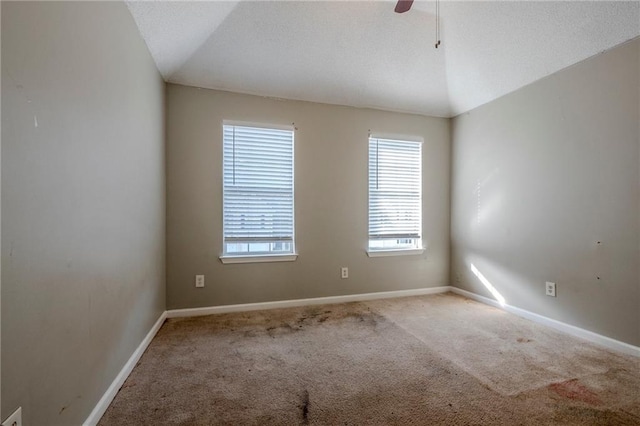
x: 257, y: 190
x: 395, y: 194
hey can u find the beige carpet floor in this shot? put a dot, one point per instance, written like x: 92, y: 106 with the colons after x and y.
x: 425, y: 360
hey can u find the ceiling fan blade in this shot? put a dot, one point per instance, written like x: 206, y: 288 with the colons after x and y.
x: 403, y: 6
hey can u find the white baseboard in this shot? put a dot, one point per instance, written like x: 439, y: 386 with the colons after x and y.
x: 192, y: 312
x: 113, y: 389
x: 607, y: 342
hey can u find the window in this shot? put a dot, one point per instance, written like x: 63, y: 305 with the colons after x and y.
x: 257, y: 193
x: 395, y: 197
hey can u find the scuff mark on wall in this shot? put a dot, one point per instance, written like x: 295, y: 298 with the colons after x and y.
x: 22, y: 90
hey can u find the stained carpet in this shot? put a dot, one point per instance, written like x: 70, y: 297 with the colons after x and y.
x: 424, y: 360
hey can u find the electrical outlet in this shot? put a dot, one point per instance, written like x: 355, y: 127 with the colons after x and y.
x: 551, y: 289
x: 344, y: 272
x: 15, y: 419
x: 199, y: 280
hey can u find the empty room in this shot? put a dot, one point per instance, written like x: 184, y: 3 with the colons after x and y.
x: 320, y: 212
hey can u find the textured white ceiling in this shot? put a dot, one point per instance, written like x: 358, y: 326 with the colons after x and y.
x: 174, y: 30
x: 363, y: 54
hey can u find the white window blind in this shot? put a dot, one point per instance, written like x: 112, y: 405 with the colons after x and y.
x: 395, y: 194
x: 257, y: 190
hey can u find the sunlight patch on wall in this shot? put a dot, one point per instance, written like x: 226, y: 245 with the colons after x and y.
x: 488, y: 285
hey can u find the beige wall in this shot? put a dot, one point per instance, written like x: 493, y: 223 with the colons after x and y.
x: 539, y: 177
x: 82, y: 204
x: 330, y: 201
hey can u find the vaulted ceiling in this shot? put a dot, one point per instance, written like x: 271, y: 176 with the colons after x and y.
x: 361, y: 53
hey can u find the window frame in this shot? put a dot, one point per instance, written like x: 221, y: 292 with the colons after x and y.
x: 384, y: 252
x: 260, y: 257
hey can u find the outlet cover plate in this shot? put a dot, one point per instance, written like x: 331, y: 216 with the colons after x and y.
x: 15, y: 419
x: 199, y: 280
x: 550, y: 289
x: 344, y: 272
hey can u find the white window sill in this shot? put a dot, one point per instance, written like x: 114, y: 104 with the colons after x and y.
x: 259, y: 258
x: 397, y: 252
